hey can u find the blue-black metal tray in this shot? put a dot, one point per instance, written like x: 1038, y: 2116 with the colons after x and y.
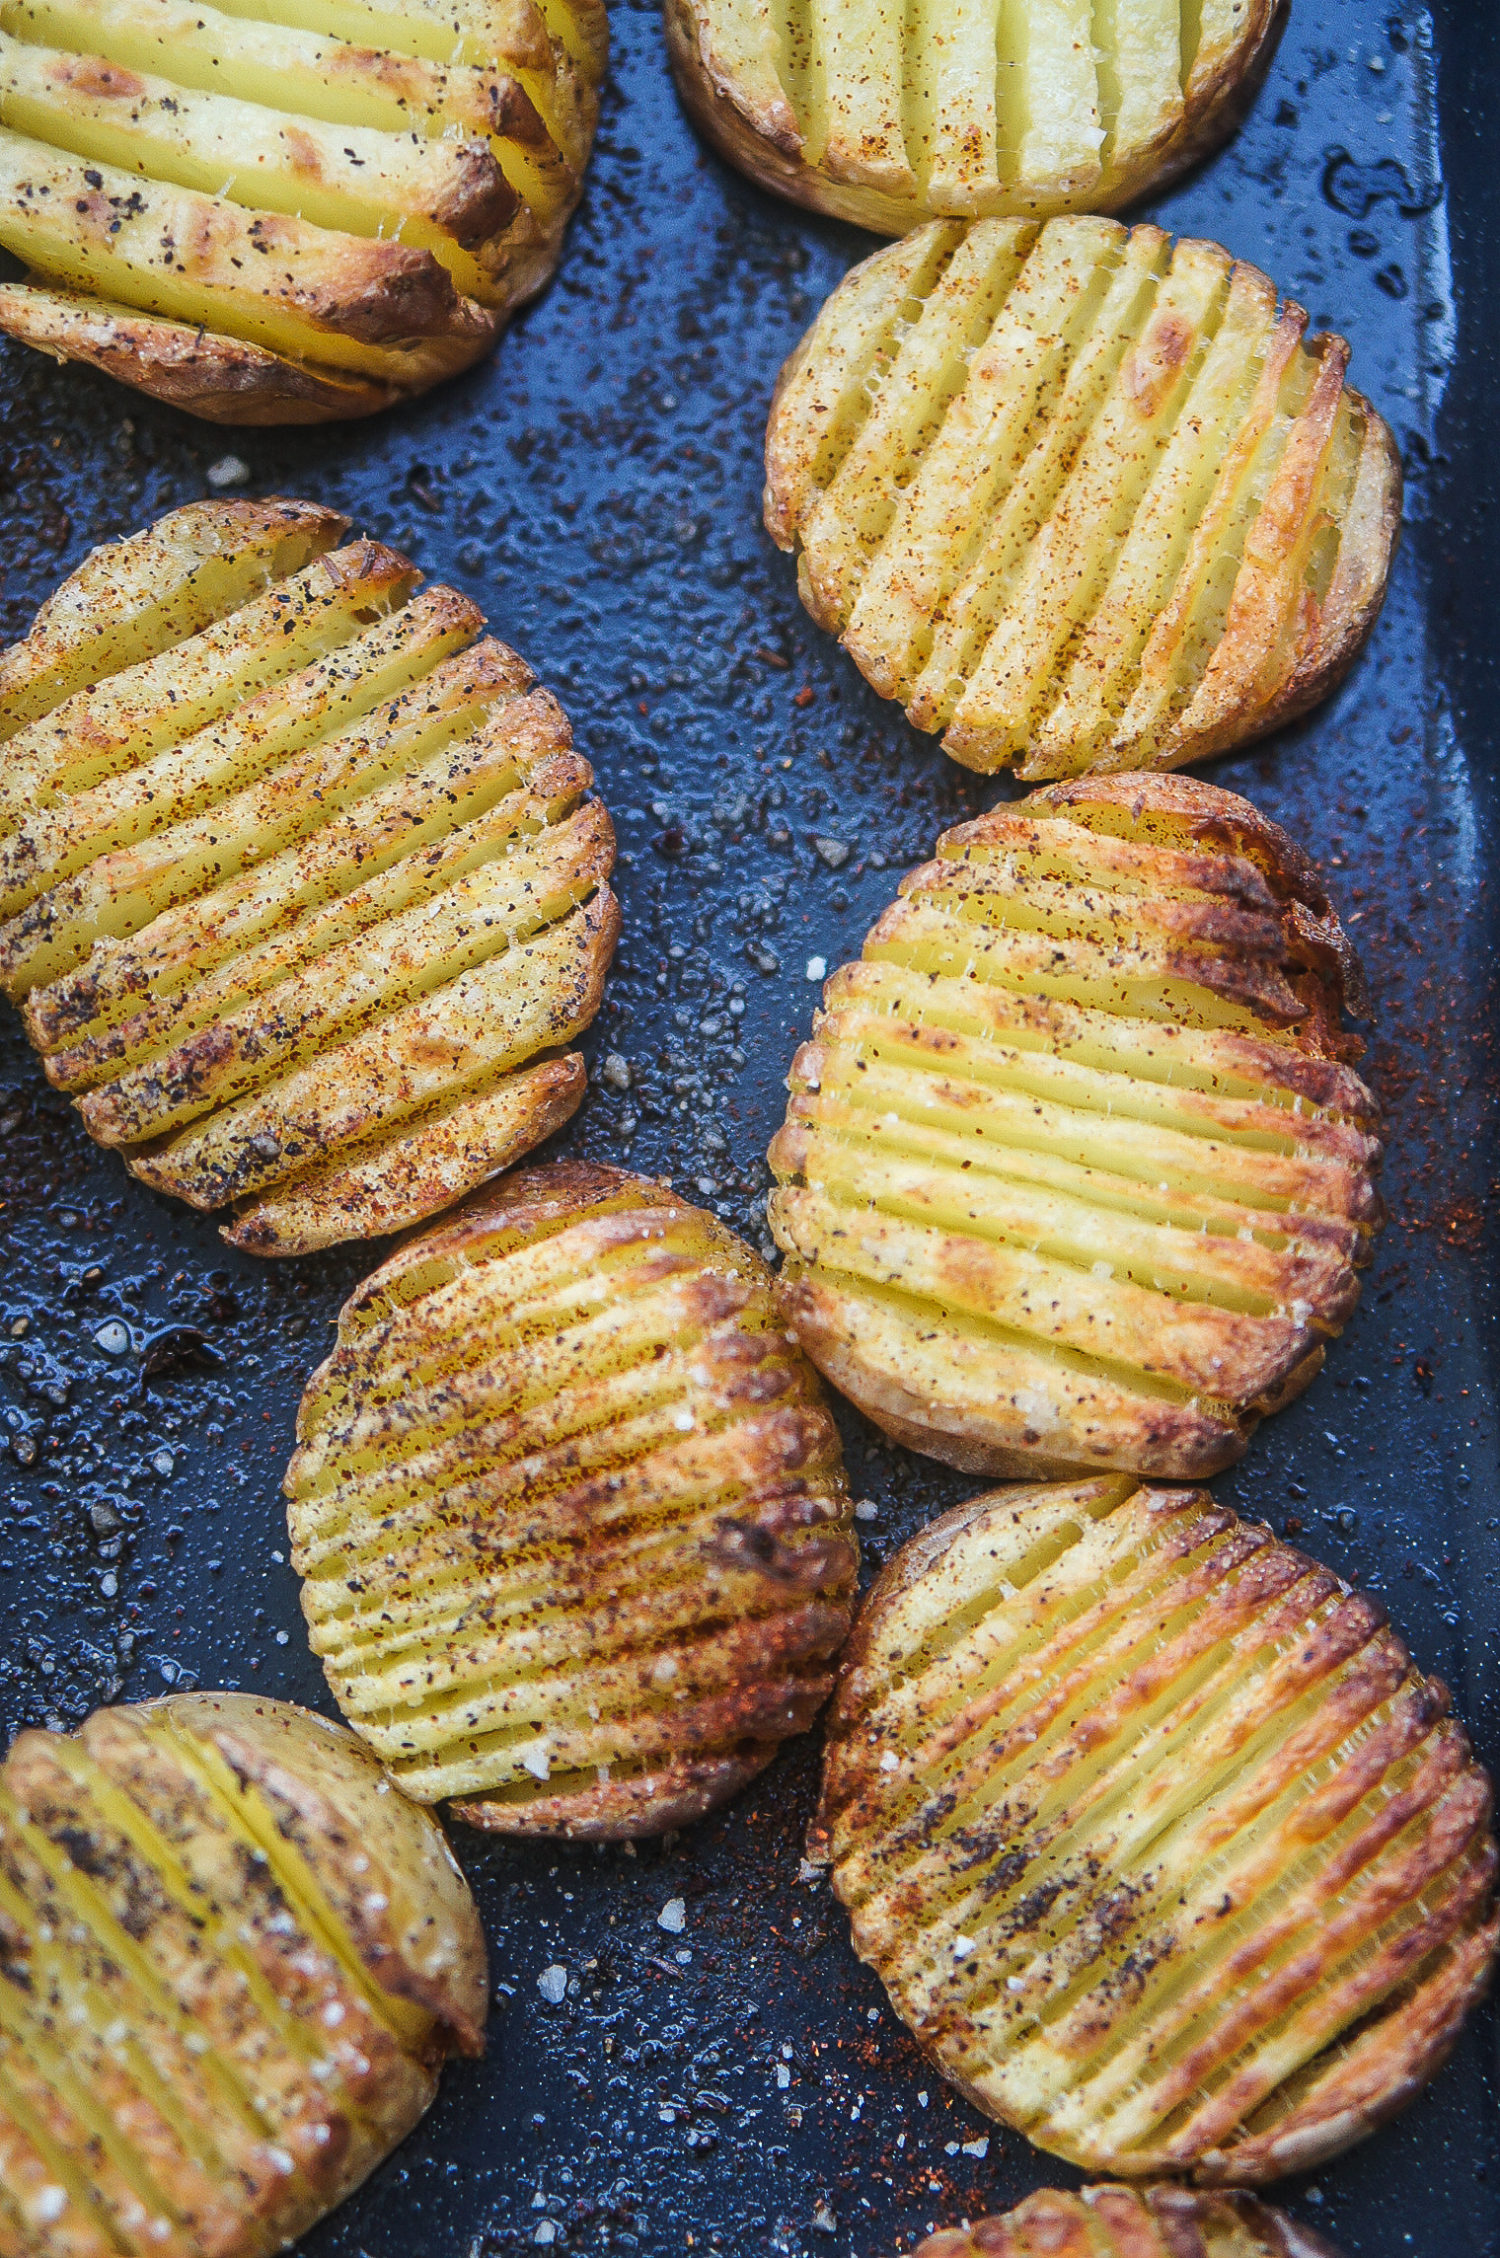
x: 742, y: 2086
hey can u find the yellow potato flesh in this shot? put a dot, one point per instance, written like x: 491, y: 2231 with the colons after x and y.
x: 298, y: 902
x: 44, y: 198
x: 140, y: 596
x: 346, y: 178
x: 1123, y: 515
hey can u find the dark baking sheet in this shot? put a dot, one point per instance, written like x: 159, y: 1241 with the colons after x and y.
x: 741, y: 2086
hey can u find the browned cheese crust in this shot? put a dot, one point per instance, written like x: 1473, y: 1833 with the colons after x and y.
x: 235, y: 1959
x: 1078, y: 497
x: 570, y: 1512
x: 1161, y: 1844
x: 889, y: 115
x: 1076, y: 1170
x: 303, y: 885
x: 1127, y: 2222
x: 294, y: 215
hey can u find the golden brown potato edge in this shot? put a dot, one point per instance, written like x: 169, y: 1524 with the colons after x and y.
x: 764, y: 143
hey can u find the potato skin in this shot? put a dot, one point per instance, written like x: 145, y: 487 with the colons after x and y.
x: 426, y: 1945
x: 1127, y: 2222
x: 573, y: 1384
x: 762, y: 139
x: 1333, y: 1796
x: 947, y: 1188
x: 261, y: 1911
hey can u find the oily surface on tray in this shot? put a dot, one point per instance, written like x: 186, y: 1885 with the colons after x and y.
x: 1075, y: 1169
x: 1080, y: 497
x: 570, y: 1511
x: 232, y: 1962
x: 1158, y: 1839
x: 303, y: 903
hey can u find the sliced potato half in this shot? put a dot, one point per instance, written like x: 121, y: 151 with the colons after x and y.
x: 889, y: 112
x: 286, y: 212
x: 235, y: 1961
x: 1160, y: 1842
x: 1076, y: 1171
x: 1127, y: 2222
x: 304, y: 905
x: 1079, y: 497
x: 570, y: 1512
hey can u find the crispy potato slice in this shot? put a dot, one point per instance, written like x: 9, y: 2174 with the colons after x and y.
x: 222, y: 947
x: 221, y: 379
x: 1158, y: 1839
x: 287, y: 210
x: 1076, y: 1171
x: 239, y: 1959
x: 378, y: 309
x: 1127, y: 2222
x: 305, y: 905
x: 439, y: 196
x: 141, y: 596
x: 1130, y: 518
x: 113, y: 726
x: 888, y: 114
x: 532, y: 996
x: 392, y: 1181
x: 570, y: 1511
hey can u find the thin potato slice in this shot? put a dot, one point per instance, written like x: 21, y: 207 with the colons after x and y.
x: 154, y: 589
x: 1076, y: 1171
x: 570, y: 1511
x: 889, y: 112
x: 1131, y: 518
x: 305, y: 906
x: 286, y: 210
x: 1161, y: 1844
x: 221, y: 379
x: 1128, y: 2222
x: 237, y: 1961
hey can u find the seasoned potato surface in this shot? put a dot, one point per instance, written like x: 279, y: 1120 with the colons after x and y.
x: 288, y: 210
x: 301, y: 881
x: 1076, y: 1172
x: 887, y: 114
x: 570, y: 1511
x: 1125, y: 2222
x: 1080, y: 497
x: 1160, y: 1843
x: 234, y: 1959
